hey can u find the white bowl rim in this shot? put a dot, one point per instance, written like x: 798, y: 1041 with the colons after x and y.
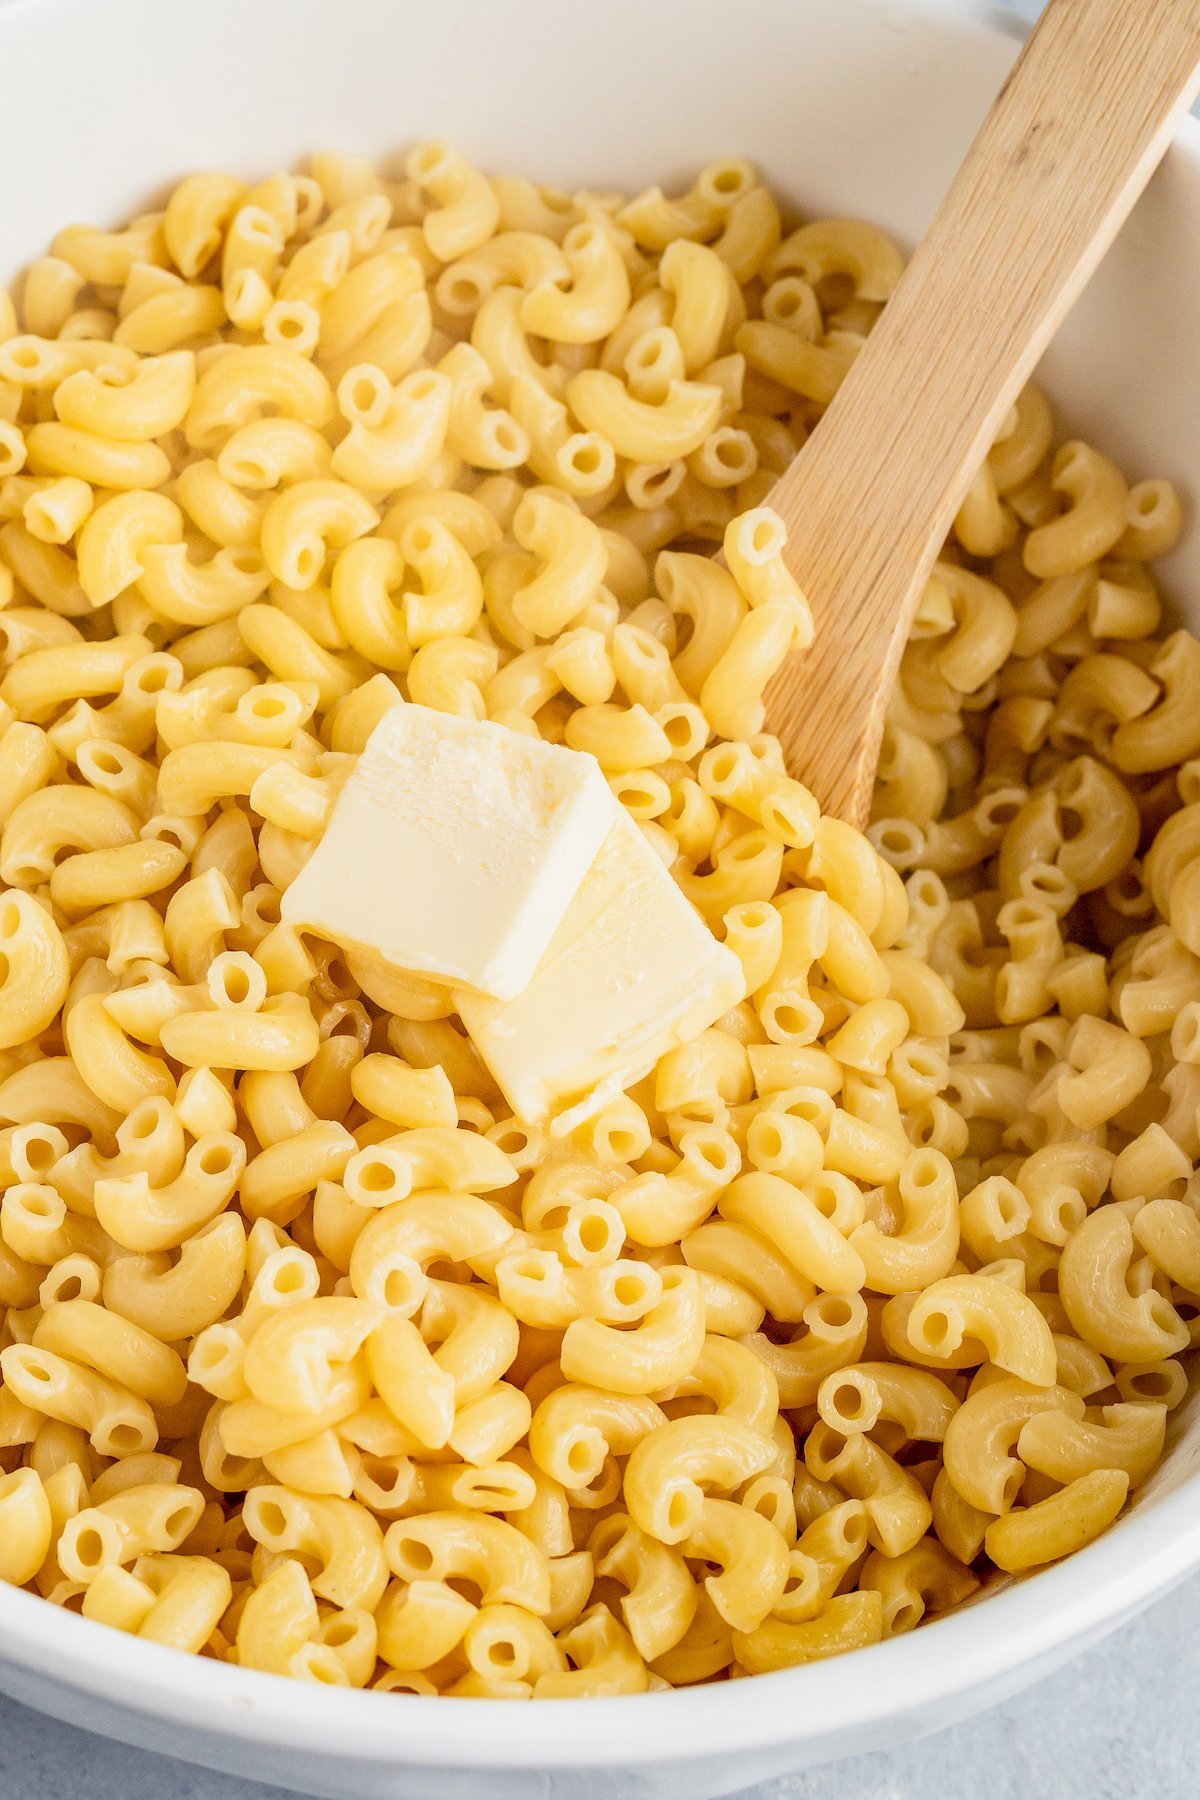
x: 1033, y: 1621
x: 1137, y: 1560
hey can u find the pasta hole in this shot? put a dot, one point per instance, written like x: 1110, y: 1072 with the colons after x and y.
x: 418, y: 1555
x: 397, y: 1289
x: 585, y: 459
x: 936, y: 1330
x: 1162, y: 1312
x: 122, y: 1439
x: 997, y: 815
x: 579, y: 1459
x: 790, y: 1019
x: 288, y: 1278
x: 271, y: 1518
x: 89, y: 1547
x: 1126, y: 886
x: 514, y: 1140
x: 386, y: 1478
x: 216, y: 1159
x: 266, y: 907
x: 465, y: 291
x: 770, y: 1139
x: 237, y: 985
x: 343, y: 1024
x: 848, y: 1401
x: 624, y: 1144
x: 717, y: 1159
x: 721, y: 764
x: 679, y: 1512
x: 153, y: 679
x: 594, y: 1233
x: 1070, y: 1211
x: 338, y: 976
x: 677, y: 729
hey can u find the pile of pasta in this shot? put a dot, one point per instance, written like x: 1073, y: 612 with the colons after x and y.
x: 312, y: 1358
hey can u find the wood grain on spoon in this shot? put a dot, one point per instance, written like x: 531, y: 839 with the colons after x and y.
x: 1068, y: 146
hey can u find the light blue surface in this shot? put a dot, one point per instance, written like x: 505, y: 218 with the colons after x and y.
x: 1120, y: 1723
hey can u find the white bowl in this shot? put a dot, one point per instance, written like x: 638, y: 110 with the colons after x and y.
x: 856, y: 106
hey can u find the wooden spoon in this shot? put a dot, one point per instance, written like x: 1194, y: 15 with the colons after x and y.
x: 1066, y: 149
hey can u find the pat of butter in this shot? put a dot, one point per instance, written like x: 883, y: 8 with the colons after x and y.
x: 454, y: 849
x: 630, y: 973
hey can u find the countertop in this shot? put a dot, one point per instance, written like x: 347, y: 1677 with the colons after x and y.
x: 1119, y: 1723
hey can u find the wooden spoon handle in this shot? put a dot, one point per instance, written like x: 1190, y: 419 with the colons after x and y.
x: 1068, y: 145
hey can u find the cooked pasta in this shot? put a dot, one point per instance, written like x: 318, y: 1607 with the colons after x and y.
x: 313, y: 1358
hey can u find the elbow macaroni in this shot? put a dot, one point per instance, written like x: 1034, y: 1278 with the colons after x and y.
x: 311, y: 1357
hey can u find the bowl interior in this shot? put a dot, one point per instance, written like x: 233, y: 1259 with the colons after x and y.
x: 857, y: 107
